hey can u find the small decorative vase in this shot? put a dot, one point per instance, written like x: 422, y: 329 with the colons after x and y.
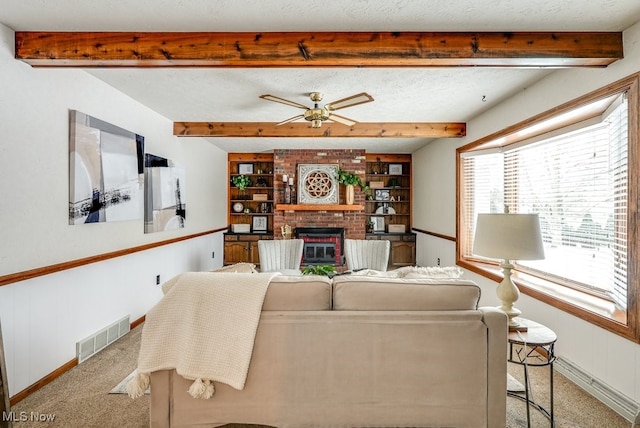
x: 350, y: 194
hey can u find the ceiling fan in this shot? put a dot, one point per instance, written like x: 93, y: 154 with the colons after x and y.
x: 316, y: 115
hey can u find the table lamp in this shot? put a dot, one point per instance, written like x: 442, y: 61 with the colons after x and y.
x: 509, y: 237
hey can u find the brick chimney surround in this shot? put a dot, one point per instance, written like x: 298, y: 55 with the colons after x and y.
x: 287, y: 161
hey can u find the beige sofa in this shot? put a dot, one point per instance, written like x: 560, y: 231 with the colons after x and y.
x: 359, y: 351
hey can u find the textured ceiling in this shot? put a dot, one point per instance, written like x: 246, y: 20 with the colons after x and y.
x: 401, y: 94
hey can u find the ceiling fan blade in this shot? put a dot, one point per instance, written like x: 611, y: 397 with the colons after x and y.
x: 341, y: 119
x: 283, y: 101
x: 291, y: 119
x: 353, y: 100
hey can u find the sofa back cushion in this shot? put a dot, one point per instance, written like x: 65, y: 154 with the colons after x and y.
x: 366, y: 293
x: 298, y: 293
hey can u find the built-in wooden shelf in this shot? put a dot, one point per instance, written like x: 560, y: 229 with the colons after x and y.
x: 318, y: 207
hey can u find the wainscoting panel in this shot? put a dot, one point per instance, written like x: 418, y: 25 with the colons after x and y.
x: 435, y: 251
x: 44, y: 317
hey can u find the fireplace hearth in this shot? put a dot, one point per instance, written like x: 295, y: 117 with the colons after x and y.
x: 322, y: 245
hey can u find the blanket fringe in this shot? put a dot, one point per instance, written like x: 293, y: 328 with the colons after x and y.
x: 138, y: 385
x: 202, y: 388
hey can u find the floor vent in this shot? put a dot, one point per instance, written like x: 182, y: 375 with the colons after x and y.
x: 91, y: 345
x: 620, y: 403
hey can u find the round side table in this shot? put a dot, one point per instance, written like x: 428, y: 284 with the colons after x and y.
x: 533, y: 347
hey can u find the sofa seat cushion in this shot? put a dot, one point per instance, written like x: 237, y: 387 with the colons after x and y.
x: 298, y: 293
x: 366, y: 293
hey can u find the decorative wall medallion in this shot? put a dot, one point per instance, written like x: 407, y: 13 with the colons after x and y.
x: 318, y: 184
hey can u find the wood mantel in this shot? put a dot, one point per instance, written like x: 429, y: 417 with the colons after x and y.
x: 318, y: 207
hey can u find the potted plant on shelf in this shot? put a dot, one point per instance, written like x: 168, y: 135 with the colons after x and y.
x: 350, y: 180
x: 241, y: 182
x: 369, y: 226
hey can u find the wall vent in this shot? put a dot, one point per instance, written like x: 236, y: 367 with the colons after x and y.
x: 91, y: 345
x: 620, y: 403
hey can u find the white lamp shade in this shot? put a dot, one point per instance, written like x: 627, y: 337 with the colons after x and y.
x: 508, y: 237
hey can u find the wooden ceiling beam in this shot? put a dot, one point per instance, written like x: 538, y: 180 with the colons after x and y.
x: 334, y: 130
x: 321, y: 49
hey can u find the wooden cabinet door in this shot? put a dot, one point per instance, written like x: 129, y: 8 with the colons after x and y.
x: 254, y: 255
x: 402, y: 254
x: 236, y: 252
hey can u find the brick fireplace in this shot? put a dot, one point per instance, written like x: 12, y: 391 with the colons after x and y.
x: 287, y: 161
x: 322, y: 245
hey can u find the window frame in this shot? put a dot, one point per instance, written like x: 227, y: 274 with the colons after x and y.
x: 582, y: 304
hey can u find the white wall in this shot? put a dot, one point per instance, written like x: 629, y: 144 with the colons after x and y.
x: 34, y: 152
x: 43, y: 318
x: 606, y: 356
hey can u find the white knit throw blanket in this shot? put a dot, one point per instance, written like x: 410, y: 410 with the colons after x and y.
x: 204, y: 327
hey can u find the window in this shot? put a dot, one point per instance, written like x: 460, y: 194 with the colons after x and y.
x: 570, y: 167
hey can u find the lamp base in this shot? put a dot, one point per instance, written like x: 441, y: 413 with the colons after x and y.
x: 512, y: 314
x: 508, y: 293
x: 514, y: 325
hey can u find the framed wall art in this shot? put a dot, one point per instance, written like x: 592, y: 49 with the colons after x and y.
x: 318, y: 184
x: 164, y: 195
x: 106, y: 172
x: 259, y: 223
x: 378, y: 223
x: 395, y: 169
x: 245, y: 168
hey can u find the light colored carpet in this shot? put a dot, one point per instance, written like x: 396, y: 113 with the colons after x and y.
x: 80, y: 397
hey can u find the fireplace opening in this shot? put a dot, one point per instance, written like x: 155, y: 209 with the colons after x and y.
x: 322, y: 245
x: 320, y: 252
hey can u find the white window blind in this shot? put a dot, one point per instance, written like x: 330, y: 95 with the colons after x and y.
x: 577, y: 182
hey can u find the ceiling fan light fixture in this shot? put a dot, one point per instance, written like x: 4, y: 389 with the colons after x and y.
x: 316, y: 113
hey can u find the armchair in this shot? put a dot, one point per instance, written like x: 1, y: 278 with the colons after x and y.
x: 367, y: 254
x: 280, y: 255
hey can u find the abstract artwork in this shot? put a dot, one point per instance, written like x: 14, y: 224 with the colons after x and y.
x: 164, y: 195
x: 105, y: 171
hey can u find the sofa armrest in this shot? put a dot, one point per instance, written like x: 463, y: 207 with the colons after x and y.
x: 496, y: 322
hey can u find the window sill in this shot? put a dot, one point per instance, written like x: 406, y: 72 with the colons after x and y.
x: 585, y: 306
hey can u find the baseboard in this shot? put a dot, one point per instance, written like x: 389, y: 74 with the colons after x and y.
x: 620, y: 403
x: 42, y: 382
x: 137, y: 322
x: 16, y: 398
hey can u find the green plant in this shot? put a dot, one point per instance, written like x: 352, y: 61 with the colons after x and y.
x: 349, y: 178
x: 241, y: 181
x: 369, y: 226
x: 324, y: 270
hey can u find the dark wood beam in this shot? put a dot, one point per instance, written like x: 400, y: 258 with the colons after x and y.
x: 324, y: 49
x: 301, y: 129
